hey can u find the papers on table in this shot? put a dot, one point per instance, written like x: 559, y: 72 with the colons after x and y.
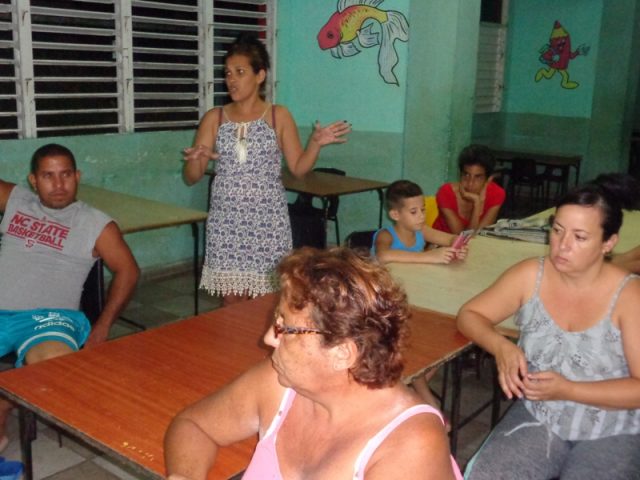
x: 534, y: 230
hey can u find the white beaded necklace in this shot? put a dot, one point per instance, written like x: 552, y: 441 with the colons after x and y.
x: 241, y: 141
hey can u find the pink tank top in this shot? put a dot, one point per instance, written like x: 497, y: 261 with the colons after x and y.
x: 264, y: 463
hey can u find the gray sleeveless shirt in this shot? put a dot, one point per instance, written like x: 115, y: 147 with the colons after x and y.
x: 46, y: 254
x: 590, y: 355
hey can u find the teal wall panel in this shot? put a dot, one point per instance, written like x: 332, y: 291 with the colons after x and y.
x: 593, y: 120
x: 439, y: 104
x: 530, y: 26
x: 317, y: 86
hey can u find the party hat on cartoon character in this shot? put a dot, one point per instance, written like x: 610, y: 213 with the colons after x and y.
x: 352, y: 28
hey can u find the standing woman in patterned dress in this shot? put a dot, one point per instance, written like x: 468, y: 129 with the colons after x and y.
x: 248, y: 229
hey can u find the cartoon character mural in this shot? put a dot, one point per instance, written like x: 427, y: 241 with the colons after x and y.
x: 557, y: 54
x: 352, y: 28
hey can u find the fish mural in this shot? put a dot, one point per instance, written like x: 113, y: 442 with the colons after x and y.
x: 557, y: 54
x: 354, y: 27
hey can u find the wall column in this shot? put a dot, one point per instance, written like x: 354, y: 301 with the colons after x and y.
x: 441, y: 84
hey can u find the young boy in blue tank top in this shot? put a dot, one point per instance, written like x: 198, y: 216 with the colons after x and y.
x: 406, y: 242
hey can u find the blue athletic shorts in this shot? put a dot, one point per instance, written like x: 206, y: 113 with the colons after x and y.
x: 21, y: 330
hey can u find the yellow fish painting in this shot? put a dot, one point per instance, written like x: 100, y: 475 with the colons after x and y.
x: 351, y: 28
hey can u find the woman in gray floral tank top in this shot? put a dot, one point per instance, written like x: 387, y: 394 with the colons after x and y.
x: 576, y: 369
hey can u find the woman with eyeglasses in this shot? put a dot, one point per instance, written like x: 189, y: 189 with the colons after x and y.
x: 576, y: 369
x: 473, y: 202
x: 329, y: 402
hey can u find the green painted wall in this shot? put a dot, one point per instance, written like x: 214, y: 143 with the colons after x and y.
x: 439, y: 104
x: 316, y: 86
x: 593, y: 120
x: 530, y: 25
x: 414, y: 130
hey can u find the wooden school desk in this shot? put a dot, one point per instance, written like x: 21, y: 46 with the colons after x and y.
x: 135, y: 214
x: 445, y: 288
x: 324, y: 185
x: 121, y: 395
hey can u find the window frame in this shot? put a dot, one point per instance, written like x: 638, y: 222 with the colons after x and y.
x: 131, y: 95
x: 490, y: 69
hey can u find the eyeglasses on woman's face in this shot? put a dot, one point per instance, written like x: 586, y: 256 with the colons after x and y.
x: 281, y: 329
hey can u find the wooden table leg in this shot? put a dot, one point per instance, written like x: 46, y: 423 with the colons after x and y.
x: 27, y: 422
x: 455, y: 404
x: 196, y: 264
x: 381, y: 198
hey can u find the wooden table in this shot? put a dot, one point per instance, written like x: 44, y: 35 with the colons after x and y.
x: 325, y: 185
x: 556, y: 160
x: 135, y: 214
x: 445, y: 288
x: 121, y: 395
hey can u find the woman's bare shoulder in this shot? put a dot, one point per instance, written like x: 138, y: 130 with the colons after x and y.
x: 211, y: 119
x: 418, y: 444
x: 630, y: 294
x: 282, y: 113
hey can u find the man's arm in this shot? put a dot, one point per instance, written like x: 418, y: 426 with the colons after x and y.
x: 5, y: 191
x: 118, y: 258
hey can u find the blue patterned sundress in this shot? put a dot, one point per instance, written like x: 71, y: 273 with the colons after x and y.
x: 248, y: 228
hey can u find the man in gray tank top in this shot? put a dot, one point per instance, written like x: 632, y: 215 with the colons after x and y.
x: 49, y: 243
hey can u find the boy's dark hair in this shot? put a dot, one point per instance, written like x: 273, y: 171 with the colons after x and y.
x: 51, y: 150
x: 399, y: 191
x: 477, y: 155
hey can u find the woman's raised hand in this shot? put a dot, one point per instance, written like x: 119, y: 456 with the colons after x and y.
x: 200, y: 153
x: 333, y: 133
x: 512, y: 368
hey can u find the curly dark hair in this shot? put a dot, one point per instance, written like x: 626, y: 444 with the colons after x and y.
x: 351, y: 297
x: 477, y: 155
x: 250, y: 46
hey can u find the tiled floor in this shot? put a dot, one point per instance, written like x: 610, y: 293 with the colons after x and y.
x: 165, y: 300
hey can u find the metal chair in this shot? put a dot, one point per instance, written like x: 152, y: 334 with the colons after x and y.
x: 333, y: 201
x: 524, y: 173
x: 360, y: 239
x: 555, y: 175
